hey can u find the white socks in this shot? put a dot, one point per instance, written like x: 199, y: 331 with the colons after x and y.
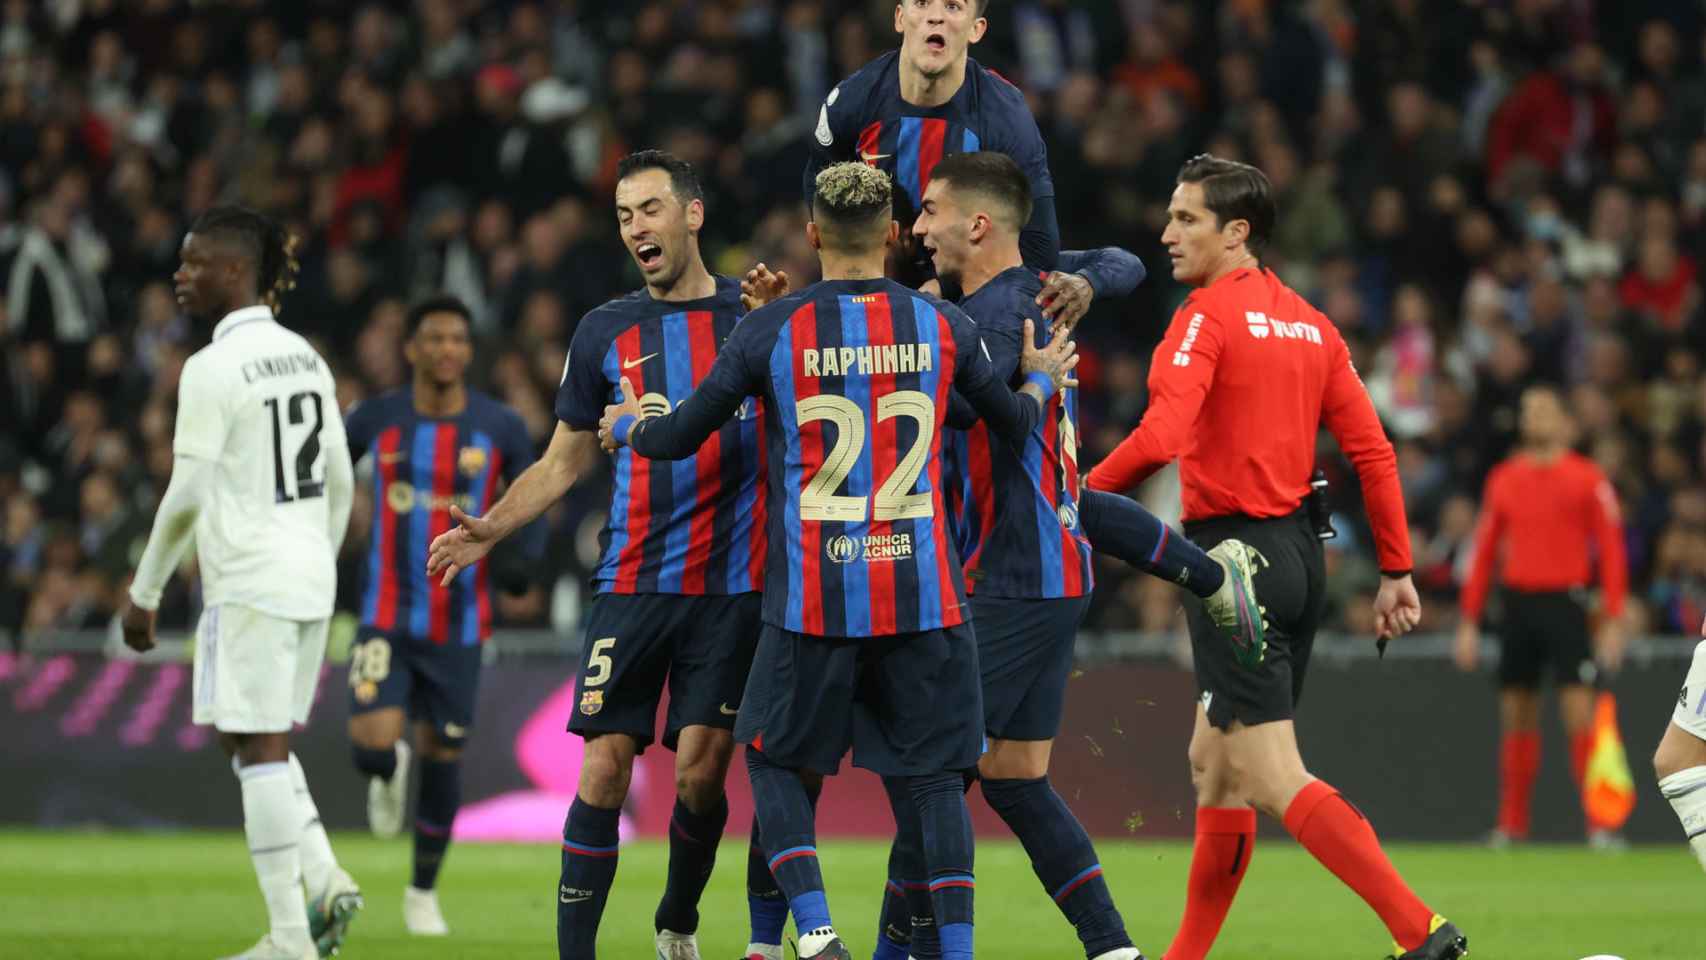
x: 318, y: 863
x: 1686, y: 792
x: 272, y: 821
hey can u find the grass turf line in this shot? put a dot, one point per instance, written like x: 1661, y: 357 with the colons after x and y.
x: 193, y: 895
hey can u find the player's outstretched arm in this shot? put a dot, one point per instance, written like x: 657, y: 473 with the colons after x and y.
x: 571, y: 455
x: 678, y: 435
x: 1084, y: 275
x: 192, y: 478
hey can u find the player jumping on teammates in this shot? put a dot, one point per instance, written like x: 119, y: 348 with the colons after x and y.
x: 262, y: 479
x: 434, y: 443
x: 866, y: 641
x: 678, y: 581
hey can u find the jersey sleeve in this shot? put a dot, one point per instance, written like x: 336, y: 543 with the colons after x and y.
x: 1608, y: 538
x: 361, y: 425
x: 584, y: 390
x: 734, y: 376
x: 1010, y: 415
x: 202, y: 415
x: 1179, y: 381
x: 1112, y: 271
x: 1039, y: 242
x: 1348, y: 413
x: 1483, y: 554
x: 1002, y: 333
x: 832, y: 139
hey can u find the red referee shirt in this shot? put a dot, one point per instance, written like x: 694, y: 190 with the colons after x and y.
x: 1541, y: 522
x: 1244, y: 379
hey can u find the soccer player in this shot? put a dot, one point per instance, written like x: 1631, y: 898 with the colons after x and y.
x: 678, y: 581
x: 906, y: 110
x: 262, y: 479
x: 1680, y: 760
x: 865, y: 640
x: 1547, y: 511
x: 1240, y: 386
x: 434, y: 443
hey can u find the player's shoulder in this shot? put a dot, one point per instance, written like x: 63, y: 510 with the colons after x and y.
x: 492, y: 412
x: 613, y: 316
x: 728, y: 292
x: 874, y: 77
x: 1007, y: 300
x: 991, y: 84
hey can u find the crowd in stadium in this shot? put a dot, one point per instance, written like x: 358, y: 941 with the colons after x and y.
x: 1479, y: 195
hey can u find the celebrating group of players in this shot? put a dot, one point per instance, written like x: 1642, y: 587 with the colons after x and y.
x: 819, y: 494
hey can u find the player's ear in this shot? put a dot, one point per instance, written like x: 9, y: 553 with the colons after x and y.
x: 695, y: 215
x: 900, y: 18
x: 979, y: 27
x: 980, y: 225
x: 813, y: 237
x: 1236, y: 233
x: 409, y: 351
x: 894, y: 234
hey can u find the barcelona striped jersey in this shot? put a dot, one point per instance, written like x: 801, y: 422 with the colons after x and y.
x: 1016, y: 504
x: 855, y: 376
x: 865, y: 118
x: 422, y: 465
x: 693, y: 526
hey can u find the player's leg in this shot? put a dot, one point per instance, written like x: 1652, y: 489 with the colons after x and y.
x: 621, y: 678
x: 381, y: 685
x: 1680, y: 761
x: 447, y: 683
x: 1519, y: 754
x: 919, y: 717
x: 767, y: 906
x: 1222, y: 576
x: 245, y: 673
x: 713, y: 639
x: 907, y: 925
x: 1570, y: 648
x: 1224, y: 844
x: 795, y: 721
x: 333, y: 897
x: 1025, y: 653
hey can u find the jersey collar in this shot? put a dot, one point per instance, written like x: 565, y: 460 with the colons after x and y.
x: 238, y: 317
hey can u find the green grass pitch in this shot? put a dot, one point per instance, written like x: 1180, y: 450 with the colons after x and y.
x: 193, y: 895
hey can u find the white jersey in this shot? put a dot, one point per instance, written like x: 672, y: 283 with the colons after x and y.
x: 260, y: 404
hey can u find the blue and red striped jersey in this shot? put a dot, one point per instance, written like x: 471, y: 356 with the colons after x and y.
x: 855, y: 376
x: 422, y: 465
x: 1015, y: 505
x: 693, y: 526
x: 865, y: 118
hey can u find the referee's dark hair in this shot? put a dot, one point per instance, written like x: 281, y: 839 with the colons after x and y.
x: 1234, y: 191
x: 991, y: 175
x: 438, y: 303
x: 269, y: 248
x: 682, y: 178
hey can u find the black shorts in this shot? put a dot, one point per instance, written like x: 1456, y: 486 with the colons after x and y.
x: 1291, y: 580
x: 1024, y: 649
x: 701, y: 644
x: 435, y: 682
x: 1545, y: 628
x: 908, y: 705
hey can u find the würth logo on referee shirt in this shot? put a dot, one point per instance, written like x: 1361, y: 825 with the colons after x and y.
x: 1261, y: 325
x: 1182, y: 356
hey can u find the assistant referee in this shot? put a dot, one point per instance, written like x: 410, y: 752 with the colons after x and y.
x: 1244, y: 379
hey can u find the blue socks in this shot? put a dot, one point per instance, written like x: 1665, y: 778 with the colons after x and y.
x: 374, y: 763
x: 908, y: 923
x: 590, y: 842
x: 693, y: 839
x: 1063, y: 859
x: 787, y: 819
x: 1121, y: 527
x: 946, y: 823
x: 441, y: 794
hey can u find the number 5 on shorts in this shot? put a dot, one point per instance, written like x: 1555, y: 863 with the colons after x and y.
x: 598, y: 665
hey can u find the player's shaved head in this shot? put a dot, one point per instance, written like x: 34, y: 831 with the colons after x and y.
x: 990, y: 182
x: 853, y: 206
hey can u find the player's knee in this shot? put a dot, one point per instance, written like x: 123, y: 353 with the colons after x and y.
x: 604, y: 774
x: 698, y: 786
x: 1668, y: 760
x: 374, y: 762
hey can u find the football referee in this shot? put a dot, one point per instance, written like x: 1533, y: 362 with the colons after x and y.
x: 1239, y: 387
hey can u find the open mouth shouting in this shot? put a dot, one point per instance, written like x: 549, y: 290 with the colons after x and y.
x: 936, y: 43
x: 649, y: 255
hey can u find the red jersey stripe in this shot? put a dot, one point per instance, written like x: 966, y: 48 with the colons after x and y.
x: 438, y: 521
x: 804, y: 328
x: 389, y: 453
x: 885, y: 453
x: 639, y: 477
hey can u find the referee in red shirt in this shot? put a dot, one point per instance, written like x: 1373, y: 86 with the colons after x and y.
x: 1244, y: 379
x: 1546, y: 513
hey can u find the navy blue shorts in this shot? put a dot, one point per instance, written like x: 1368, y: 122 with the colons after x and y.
x: 1025, y: 649
x: 700, y: 645
x: 435, y: 682
x: 907, y: 705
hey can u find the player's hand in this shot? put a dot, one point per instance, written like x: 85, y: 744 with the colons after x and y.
x: 1065, y: 299
x: 1056, y: 359
x: 137, y: 625
x: 1397, y: 608
x: 1608, y: 644
x: 630, y: 406
x: 460, y: 547
x: 1466, y: 650
x: 931, y: 286
x: 761, y: 286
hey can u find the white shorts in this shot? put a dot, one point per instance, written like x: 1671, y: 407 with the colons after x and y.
x: 255, y: 673
x: 1690, y: 712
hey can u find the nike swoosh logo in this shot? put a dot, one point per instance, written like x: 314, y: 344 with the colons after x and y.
x: 563, y: 899
x: 873, y: 157
x: 727, y: 710
x: 631, y: 364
